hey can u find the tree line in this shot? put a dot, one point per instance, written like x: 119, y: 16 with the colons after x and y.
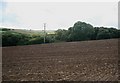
x: 80, y: 31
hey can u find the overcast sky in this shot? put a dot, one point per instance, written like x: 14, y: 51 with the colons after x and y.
x: 32, y: 15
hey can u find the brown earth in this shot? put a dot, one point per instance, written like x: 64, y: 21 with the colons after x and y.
x: 73, y: 61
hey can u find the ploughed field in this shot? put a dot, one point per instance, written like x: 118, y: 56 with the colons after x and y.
x: 73, y: 61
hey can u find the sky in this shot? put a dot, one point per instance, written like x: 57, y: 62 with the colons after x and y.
x: 57, y: 15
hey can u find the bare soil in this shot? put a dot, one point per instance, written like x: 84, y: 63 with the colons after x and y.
x: 73, y: 61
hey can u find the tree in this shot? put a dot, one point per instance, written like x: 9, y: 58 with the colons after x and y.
x: 61, y: 34
x: 118, y: 33
x: 103, y: 33
x: 81, y: 31
x: 113, y: 32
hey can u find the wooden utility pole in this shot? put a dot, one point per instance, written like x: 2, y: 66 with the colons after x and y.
x: 44, y: 31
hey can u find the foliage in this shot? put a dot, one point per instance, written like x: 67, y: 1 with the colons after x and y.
x: 105, y: 33
x: 13, y: 39
x: 10, y: 38
x: 4, y: 29
x: 80, y: 31
x: 61, y: 35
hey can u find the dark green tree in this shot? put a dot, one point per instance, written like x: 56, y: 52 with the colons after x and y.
x: 80, y: 31
x: 61, y: 35
x: 103, y: 33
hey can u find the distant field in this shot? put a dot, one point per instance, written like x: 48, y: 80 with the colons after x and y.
x: 76, y: 61
x: 30, y: 32
x: 34, y: 32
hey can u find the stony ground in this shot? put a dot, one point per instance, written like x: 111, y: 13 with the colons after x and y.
x: 73, y: 61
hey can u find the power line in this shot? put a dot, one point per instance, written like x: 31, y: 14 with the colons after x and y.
x: 44, y: 32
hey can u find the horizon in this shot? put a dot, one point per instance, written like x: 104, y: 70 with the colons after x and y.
x: 53, y: 29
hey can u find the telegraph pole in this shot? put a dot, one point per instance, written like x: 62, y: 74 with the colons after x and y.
x: 44, y: 31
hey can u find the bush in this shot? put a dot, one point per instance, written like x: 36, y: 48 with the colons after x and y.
x: 13, y: 39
